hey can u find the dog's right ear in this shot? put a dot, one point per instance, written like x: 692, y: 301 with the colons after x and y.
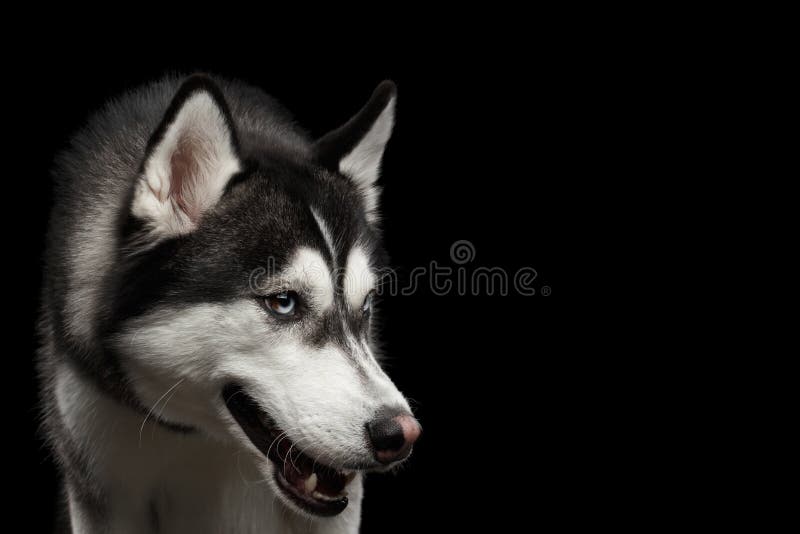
x: 356, y: 148
x: 189, y: 160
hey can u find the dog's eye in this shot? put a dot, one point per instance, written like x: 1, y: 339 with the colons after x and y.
x: 367, y: 306
x: 282, y: 304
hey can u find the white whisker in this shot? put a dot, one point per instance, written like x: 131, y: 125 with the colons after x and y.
x: 149, y: 413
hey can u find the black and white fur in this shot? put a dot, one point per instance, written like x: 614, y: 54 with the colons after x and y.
x: 166, y: 204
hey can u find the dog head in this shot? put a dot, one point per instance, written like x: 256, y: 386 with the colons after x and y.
x: 251, y: 267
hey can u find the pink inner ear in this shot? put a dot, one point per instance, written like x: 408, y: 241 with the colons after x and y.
x: 184, y: 169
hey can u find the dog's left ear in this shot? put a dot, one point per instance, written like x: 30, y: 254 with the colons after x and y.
x: 356, y: 148
x: 189, y: 160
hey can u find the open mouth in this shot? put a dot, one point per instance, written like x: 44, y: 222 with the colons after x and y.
x: 314, y: 487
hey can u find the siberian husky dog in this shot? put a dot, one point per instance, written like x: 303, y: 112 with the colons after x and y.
x: 206, y: 356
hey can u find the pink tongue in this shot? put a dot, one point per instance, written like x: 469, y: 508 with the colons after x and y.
x: 296, y: 471
x: 298, y: 467
x: 329, y: 482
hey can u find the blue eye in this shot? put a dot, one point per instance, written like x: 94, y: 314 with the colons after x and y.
x: 282, y: 304
x: 367, y: 306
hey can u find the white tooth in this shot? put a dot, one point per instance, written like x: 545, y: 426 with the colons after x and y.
x: 319, y: 496
x: 311, y: 483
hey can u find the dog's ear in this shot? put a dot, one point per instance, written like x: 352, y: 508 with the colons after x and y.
x: 189, y: 160
x: 356, y: 148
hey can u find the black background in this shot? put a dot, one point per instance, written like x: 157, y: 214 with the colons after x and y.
x: 488, y: 147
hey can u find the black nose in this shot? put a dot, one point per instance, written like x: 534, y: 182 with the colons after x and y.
x: 392, y: 437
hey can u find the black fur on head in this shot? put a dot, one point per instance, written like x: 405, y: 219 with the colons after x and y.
x: 263, y: 215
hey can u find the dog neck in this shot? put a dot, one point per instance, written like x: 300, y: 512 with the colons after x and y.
x: 127, y: 474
